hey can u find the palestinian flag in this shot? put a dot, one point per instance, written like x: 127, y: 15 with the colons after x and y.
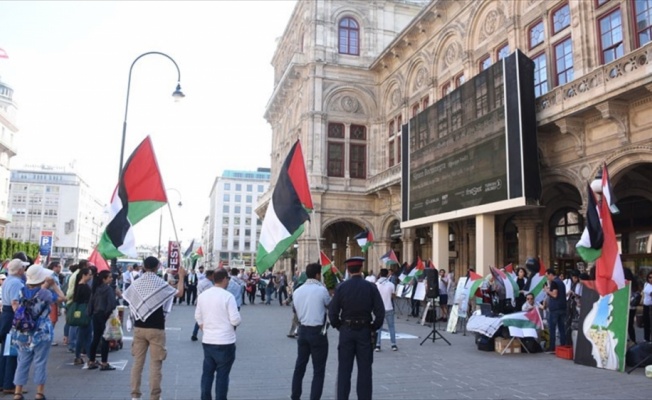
x: 327, y: 264
x: 287, y: 211
x: 197, y: 254
x: 590, y: 244
x: 389, y: 258
x: 510, y: 287
x: 365, y: 239
x: 609, y: 274
x: 474, y: 282
x: 188, y: 252
x: 537, y: 282
x: 523, y: 323
x: 96, y: 259
x: 416, y: 272
x: 139, y: 193
x: 607, y: 192
x: 509, y: 271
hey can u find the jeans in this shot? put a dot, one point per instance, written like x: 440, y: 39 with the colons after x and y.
x: 389, y: 318
x: 311, y: 343
x: 72, y: 336
x: 268, y: 293
x: 7, y: 363
x: 37, y: 356
x: 556, y: 319
x: 195, y: 330
x: 218, y: 360
x: 84, y: 335
x: 154, y: 339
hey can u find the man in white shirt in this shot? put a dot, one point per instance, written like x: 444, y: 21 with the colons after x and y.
x: 205, y: 284
x: 310, y: 302
x: 127, y: 278
x: 387, y: 289
x: 218, y: 339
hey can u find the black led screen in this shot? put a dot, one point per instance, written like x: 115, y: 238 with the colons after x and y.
x: 474, y: 147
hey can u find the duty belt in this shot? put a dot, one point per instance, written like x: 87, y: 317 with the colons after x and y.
x: 357, y: 323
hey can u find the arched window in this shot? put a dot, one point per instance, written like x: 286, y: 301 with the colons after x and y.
x: 566, y: 228
x: 349, y: 37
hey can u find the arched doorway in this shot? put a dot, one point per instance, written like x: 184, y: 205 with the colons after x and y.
x: 338, y: 242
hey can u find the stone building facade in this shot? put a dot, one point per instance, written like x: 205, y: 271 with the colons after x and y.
x: 349, y: 74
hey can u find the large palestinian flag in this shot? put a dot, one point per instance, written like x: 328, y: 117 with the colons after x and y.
x: 589, y: 247
x: 139, y: 193
x: 523, y: 323
x: 287, y: 211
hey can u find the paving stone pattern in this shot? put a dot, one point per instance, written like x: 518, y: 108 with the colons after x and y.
x: 265, y: 361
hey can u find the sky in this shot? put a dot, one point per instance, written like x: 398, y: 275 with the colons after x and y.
x: 69, y: 68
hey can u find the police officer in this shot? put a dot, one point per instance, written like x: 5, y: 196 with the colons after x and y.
x: 350, y: 312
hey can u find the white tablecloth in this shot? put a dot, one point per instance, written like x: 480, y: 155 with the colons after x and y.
x: 484, y: 325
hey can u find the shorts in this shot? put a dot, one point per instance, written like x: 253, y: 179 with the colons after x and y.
x: 443, y: 299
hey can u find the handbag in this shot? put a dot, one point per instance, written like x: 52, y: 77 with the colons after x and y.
x: 77, y: 315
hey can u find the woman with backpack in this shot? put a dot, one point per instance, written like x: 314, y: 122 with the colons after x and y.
x: 100, y: 309
x: 32, y: 331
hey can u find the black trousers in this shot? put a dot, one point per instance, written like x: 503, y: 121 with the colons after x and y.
x: 311, y: 343
x: 191, y: 295
x: 99, y: 324
x: 355, y: 344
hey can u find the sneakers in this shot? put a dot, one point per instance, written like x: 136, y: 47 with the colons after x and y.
x: 377, y: 349
x: 394, y: 348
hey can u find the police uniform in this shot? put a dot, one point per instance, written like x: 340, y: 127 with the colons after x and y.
x: 350, y: 312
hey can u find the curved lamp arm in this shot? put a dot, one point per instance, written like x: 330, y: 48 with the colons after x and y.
x: 177, y: 94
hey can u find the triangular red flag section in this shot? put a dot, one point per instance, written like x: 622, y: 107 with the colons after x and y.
x: 96, y: 259
x: 298, y: 177
x: 200, y: 252
x: 609, y: 274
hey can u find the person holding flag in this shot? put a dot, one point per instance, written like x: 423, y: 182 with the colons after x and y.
x: 310, y: 303
x: 150, y: 298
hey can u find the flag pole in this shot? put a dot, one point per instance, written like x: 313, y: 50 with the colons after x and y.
x: 316, y: 232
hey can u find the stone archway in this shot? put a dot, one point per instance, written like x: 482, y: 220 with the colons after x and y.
x: 339, y: 243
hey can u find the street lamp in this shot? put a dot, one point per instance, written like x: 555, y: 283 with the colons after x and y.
x: 160, y: 224
x: 177, y: 94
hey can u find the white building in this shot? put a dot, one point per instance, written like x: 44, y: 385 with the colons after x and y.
x: 46, y: 198
x: 8, y: 129
x: 233, y: 226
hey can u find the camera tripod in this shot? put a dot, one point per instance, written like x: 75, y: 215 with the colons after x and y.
x: 434, y: 334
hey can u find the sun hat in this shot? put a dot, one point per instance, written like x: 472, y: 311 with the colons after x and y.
x: 36, y: 274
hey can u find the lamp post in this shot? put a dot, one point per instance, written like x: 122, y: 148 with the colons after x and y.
x: 160, y: 224
x: 177, y: 94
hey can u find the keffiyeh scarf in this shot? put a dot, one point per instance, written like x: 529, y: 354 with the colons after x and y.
x: 146, y: 294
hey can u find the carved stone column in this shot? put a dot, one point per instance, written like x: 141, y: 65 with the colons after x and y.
x: 408, y: 245
x: 528, y: 245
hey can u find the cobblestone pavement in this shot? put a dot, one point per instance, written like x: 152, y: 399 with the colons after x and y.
x: 265, y: 361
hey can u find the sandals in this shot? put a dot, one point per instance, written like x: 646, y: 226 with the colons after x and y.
x: 107, y: 367
x: 20, y: 397
x: 40, y: 396
x: 78, y: 361
x: 92, y: 365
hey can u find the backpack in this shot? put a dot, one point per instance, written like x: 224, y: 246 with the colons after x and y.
x: 24, y: 321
